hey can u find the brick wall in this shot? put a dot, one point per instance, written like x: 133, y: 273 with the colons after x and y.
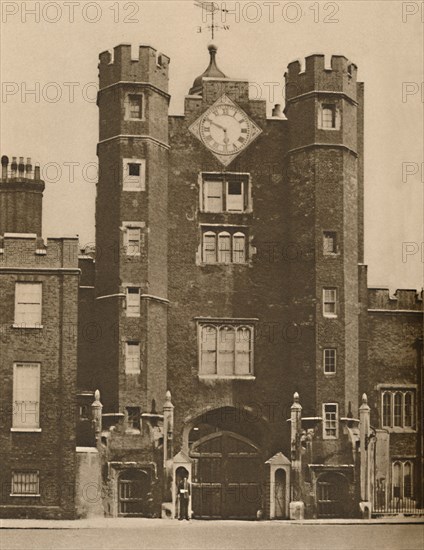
x: 54, y: 346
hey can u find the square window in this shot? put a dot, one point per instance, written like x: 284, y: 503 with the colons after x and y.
x: 328, y: 119
x: 134, y: 175
x: 329, y: 361
x: 132, y: 241
x: 330, y: 423
x: 213, y: 196
x: 133, y: 302
x: 132, y: 357
x: 25, y: 483
x: 330, y: 243
x: 235, y: 200
x: 133, y: 169
x: 134, y: 417
x: 26, y: 396
x: 135, y: 106
x: 227, y: 193
x: 28, y: 297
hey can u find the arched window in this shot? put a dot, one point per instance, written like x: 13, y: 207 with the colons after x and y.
x: 224, y: 248
x: 226, y: 350
x: 397, y: 479
x: 407, y: 480
x: 243, y: 350
x: 397, y: 417
x: 387, y: 409
x: 208, y: 349
x: 409, y: 410
x: 239, y: 248
x: 209, y: 248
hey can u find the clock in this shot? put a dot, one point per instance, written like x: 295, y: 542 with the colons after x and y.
x: 225, y: 129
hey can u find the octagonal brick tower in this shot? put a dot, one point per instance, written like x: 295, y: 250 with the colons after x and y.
x: 324, y: 107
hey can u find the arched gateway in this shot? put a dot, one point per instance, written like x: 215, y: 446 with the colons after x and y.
x: 226, y: 449
x: 226, y: 477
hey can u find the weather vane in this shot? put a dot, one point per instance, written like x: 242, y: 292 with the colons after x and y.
x: 212, y: 8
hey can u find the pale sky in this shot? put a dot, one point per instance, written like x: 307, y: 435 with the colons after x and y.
x: 385, y: 40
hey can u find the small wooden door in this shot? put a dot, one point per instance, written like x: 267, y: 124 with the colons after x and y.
x: 134, y: 493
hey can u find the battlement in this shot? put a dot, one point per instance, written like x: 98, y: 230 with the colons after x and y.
x: 26, y: 250
x: 341, y: 77
x: 401, y: 300
x: 150, y: 66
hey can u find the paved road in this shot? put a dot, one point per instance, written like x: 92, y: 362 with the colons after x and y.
x: 229, y: 535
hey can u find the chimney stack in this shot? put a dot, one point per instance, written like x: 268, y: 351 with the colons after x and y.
x: 21, y: 197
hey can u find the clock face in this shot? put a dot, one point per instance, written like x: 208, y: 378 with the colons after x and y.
x: 225, y: 129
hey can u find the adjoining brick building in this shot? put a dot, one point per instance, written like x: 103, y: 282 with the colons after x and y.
x: 38, y: 353
x: 230, y: 271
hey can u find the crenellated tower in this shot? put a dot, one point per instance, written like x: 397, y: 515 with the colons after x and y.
x: 131, y: 228
x: 324, y: 107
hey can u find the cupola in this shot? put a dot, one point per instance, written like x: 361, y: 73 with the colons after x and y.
x: 211, y: 72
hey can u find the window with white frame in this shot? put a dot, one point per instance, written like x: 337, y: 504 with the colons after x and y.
x: 133, y: 301
x: 25, y: 483
x: 134, y: 417
x: 225, y: 350
x: 398, y: 408
x: 134, y: 107
x: 132, y: 239
x: 402, y: 479
x: 328, y: 116
x: 329, y: 360
x: 329, y: 243
x: 330, y: 421
x: 28, y: 299
x: 134, y: 175
x: 26, y: 396
x: 225, y: 194
x: 223, y: 246
x: 329, y: 305
x: 132, y: 357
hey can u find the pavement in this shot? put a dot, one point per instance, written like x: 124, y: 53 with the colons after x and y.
x: 135, y: 523
x: 151, y: 534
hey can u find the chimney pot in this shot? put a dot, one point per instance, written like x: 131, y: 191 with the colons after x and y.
x: 4, y: 165
x: 21, y: 166
x: 14, y: 167
x: 28, y: 168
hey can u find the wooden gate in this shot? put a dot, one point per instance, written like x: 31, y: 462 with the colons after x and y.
x: 332, y: 495
x: 134, y: 497
x: 226, y: 477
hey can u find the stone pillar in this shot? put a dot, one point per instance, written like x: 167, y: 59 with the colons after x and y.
x: 168, y: 448
x: 364, y: 434
x: 296, y: 505
x: 96, y: 415
x: 168, y: 428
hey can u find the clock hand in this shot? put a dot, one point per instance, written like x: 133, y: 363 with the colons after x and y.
x: 219, y: 126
